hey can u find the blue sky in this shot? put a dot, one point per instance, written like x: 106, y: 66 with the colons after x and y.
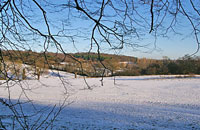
x: 174, y: 47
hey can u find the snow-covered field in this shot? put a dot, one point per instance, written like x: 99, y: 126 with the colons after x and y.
x: 134, y: 103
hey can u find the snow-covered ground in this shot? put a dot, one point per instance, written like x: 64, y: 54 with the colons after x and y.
x: 134, y: 103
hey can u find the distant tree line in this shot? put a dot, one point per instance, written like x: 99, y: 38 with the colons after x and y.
x: 118, y: 65
x: 93, y: 57
x: 184, y: 65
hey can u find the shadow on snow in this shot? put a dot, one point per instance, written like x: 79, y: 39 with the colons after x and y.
x: 108, y: 116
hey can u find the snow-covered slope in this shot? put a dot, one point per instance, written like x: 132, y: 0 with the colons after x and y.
x: 143, y: 102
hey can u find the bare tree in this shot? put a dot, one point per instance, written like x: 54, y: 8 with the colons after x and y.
x: 59, y: 26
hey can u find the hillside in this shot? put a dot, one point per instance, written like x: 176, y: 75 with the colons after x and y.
x: 95, y: 65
